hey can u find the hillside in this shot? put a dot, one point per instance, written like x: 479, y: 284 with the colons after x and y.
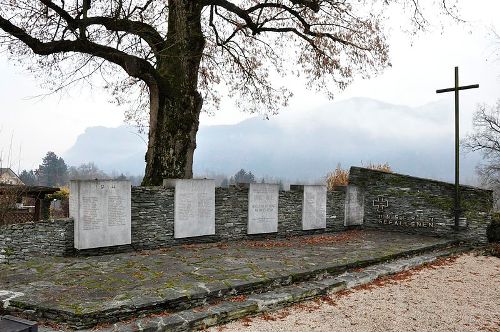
x: 302, y: 145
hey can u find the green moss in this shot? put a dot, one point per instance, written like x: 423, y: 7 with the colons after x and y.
x: 171, y: 283
x: 76, y: 308
x: 123, y: 297
x: 420, y: 198
x: 144, y: 268
x: 396, y: 181
x: 236, y: 276
x: 130, y: 264
x: 139, y: 275
x: 443, y: 203
x: 200, y: 277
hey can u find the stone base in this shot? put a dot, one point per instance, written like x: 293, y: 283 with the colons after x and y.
x: 83, y: 292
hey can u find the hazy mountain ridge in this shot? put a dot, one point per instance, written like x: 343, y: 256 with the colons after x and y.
x: 302, y: 144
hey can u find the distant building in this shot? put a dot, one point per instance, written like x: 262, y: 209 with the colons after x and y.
x: 7, y: 176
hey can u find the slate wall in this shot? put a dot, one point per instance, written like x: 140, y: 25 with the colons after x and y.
x: 26, y: 240
x: 392, y: 202
x: 153, y: 216
x: 409, y: 204
x: 153, y: 224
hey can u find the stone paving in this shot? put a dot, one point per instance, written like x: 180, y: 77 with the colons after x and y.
x: 85, y: 291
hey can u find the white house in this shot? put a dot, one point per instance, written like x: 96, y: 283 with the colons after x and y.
x: 7, y: 176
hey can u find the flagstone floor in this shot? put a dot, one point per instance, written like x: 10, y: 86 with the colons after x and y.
x: 90, y: 288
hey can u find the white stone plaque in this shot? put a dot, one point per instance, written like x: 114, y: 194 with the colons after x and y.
x: 354, y: 206
x: 194, y: 207
x: 263, y: 208
x: 314, y: 208
x: 102, y: 213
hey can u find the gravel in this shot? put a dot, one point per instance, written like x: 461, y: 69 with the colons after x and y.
x: 453, y: 295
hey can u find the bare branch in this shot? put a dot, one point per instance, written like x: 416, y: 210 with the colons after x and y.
x: 134, y: 66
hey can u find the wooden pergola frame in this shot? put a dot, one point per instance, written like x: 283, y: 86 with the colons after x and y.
x: 36, y: 192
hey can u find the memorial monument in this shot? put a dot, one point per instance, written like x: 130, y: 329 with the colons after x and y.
x: 194, y: 207
x: 263, y: 208
x: 101, y: 210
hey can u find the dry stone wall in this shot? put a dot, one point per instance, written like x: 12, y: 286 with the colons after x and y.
x: 389, y: 202
x: 26, y: 240
x: 153, y: 216
x: 397, y: 202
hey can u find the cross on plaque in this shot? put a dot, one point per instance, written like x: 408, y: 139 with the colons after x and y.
x: 380, y: 203
x: 456, y: 89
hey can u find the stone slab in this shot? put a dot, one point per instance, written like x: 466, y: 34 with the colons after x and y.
x: 208, y: 315
x: 354, y: 206
x: 102, y: 213
x: 263, y: 208
x: 314, y: 207
x: 88, y: 289
x: 194, y: 207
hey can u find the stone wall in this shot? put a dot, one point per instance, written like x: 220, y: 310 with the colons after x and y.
x: 47, y: 238
x: 404, y: 203
x: 153, y: 216
x: 153, y: 224
x: 391, y: 202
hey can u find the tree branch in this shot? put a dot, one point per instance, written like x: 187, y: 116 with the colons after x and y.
x: 306, y: 33
x: 134, y: 66
x: 143, y: 30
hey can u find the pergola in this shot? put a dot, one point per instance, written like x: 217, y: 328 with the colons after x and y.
x: 11, y: 194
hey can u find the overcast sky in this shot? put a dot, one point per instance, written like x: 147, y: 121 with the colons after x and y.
x: 420, y: 65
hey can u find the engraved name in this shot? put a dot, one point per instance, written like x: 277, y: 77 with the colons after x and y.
x: 405, y: 220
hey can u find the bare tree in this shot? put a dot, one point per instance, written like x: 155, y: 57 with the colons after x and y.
x: 173, y: 54
x: 486, y: 139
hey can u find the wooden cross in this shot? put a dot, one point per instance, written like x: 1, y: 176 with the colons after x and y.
x: 456, y: 89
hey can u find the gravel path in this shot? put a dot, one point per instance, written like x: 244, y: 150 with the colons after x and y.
x: 452, y: 295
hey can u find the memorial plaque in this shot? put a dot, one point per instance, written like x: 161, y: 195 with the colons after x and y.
x: 263, y: 208
x: 194, y: 207
x: 354, y: 206
x: 102, y: 213
x: 314, y: 208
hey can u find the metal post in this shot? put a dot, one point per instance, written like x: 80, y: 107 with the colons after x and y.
x: 457, y: 155
x: 456, y: 89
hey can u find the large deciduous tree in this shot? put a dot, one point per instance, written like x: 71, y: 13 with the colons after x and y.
x: 174, y: 52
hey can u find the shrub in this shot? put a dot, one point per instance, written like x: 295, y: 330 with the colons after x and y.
x: 339, y: 177
x: 62, y: 194
x: 379, y: 167
x: 493, y: 230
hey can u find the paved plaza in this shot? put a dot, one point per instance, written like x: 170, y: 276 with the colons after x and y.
x: 85, y: 290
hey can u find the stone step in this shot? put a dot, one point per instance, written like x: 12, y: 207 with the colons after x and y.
x: 199, y: 296
x: 241, y: 306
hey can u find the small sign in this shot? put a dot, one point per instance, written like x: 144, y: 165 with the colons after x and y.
x: 14, y: 324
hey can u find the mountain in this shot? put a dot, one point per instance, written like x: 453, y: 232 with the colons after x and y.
x: 111, y: 149
x: 303, y: 145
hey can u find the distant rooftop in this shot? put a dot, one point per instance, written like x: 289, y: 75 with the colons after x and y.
x: 7, y: 176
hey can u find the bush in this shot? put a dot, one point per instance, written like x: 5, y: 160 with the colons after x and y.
x: 61, y: 195
x: 379, y: 167
x: 339, y: 177
x: 493, y: 230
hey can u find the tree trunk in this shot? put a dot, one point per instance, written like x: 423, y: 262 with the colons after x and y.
x: 176, y: 103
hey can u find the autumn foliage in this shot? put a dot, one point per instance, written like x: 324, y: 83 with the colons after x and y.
x: 340, y: 177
